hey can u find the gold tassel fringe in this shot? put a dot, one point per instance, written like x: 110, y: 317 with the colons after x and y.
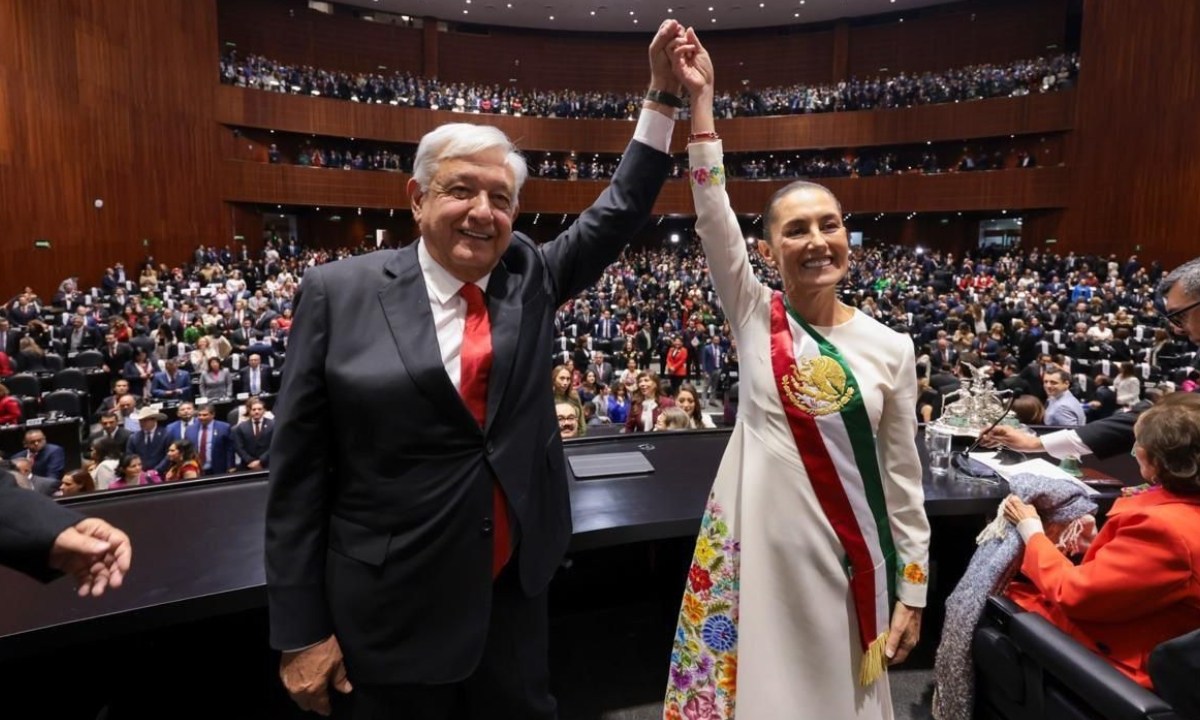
x: 874, y: 662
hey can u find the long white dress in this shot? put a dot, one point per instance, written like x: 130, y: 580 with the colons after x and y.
x: 767, y: 628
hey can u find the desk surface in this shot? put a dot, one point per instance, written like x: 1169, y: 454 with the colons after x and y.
x: 198, y: 546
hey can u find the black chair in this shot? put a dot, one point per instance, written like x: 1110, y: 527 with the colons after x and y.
x: 54, y: 362
x: 24, y: 385
x: 1027, y: 669
x: 89, y: 359
x: 64, y: 402
x: 30, y: 407
x: 70, y: 379
x: 1174, y: 667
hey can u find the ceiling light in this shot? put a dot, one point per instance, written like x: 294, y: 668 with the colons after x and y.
x: 710, y: 8
x: 670, y: 10
x: 635, y: 21
x: 795, y: 14
x: 714, y: 19
x: 630, y: 12
x: 551, y: 17
x: 593, y: 12
x: 465, y: 11
x: 762, y: 4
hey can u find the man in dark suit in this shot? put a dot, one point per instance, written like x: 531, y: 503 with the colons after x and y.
x: 43, y: 539
x: 110, y: 429
x: 214, y: 446
x: 252, y: 439
x: 256, y: 378
x: 416, y: 442
x: 185, y: 416
x: 150, y: 442
x: 115, y: 354
x: 49, y: 460
x: 171, y: 383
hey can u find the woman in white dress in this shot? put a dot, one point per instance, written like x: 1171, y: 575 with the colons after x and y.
x: 809, y: 573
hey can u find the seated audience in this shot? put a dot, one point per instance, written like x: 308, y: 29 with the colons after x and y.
x: 1138, y: 584
x: 75, y: 483
x: 1029, y: 410
x: 568, y: 419
x: 10, y: 408
x: 687, y: 400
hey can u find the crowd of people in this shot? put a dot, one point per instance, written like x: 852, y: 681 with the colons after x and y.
x: 1079, y: 337
x: 1023, y: 77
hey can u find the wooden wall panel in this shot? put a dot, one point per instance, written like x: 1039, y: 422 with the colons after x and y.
x: 250, y: 182
x: 965, y: 34
x: 951, y: 122
x: 287, y: 31
x: 1136, y: 140
x: 108, y: 101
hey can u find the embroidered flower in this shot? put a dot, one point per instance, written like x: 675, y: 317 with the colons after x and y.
x: 728, y: 681
x: 719, y: 633
x: 716, y: 176
x: 702, y: 706
x: 693, y: 610
x: 672, y: 712
x: 914, y: 574
x: 699, y: 578
x: 680, y: 678
x: 705, y: 552
x: 700, y: 176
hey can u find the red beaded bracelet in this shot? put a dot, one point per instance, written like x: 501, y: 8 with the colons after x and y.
x: 703, y: 136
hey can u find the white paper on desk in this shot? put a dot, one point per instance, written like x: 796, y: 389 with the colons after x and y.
x: 1036, y: 466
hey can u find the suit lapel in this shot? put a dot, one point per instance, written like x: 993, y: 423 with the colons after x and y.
x: 405, y: 302
x: 504, y: 314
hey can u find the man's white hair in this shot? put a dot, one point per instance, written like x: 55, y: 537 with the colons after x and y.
x: 456, y: 140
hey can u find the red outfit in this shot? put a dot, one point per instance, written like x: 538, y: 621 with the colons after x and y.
x: 10, y: 410
x: 677, y: 358
x: 5, y: 365
x: 1135, y: 588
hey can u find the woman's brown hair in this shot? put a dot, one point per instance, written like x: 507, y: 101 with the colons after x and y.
x: 1169, y: 432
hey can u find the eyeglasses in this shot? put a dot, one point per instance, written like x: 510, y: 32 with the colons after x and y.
x: 1176, y: 317
x: 567, y: 419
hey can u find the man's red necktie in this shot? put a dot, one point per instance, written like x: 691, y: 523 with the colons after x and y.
x: 476, y: 363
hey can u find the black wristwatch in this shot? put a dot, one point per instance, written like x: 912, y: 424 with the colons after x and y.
x: 664, y: 97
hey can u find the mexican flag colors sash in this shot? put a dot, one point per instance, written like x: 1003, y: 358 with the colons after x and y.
x: 828, y: 418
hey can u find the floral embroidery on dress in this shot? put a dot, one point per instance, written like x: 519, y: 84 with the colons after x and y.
x: 703, y: 678
x: 914, y: 574
x: 714, y: 176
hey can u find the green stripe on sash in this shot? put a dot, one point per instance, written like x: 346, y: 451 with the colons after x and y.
x: 862, y: 441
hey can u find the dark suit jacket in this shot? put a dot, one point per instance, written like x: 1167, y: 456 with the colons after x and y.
x: 29, y: 523
x: 379, y: 522
x: 153, y: 453
x: 1174, y: 666
x: 50, y: 461
x: 120, y: 436
x: 1114, y: 434
x: 249, y: 448
x: 266, y: 382
x: 222, y: 458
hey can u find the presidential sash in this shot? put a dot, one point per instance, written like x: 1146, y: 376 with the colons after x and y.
x: 828, y: 419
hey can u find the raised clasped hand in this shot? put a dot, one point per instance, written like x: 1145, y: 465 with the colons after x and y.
x: 691, y: 63
x: 669, y: 33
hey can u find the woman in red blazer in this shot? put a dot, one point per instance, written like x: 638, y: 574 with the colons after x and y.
x: 1137, y: 585
x: 10, y: 408
x: 648, y: 399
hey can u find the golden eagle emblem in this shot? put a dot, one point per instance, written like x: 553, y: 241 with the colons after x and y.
x: 817, y: 386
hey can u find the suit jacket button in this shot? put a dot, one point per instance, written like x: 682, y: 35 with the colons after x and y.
x: 486, y: 528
